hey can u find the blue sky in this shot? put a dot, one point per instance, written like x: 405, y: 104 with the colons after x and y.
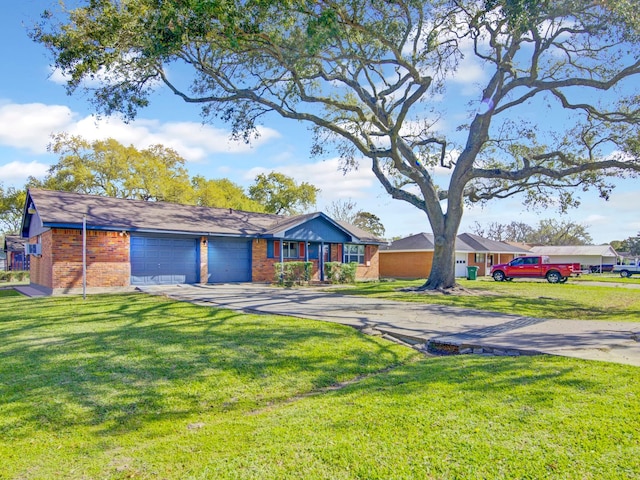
x: 34, y: 105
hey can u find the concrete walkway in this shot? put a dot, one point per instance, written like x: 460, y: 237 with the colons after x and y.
x: 438, y: 325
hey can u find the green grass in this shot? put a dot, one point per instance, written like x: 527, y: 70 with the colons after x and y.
x: 133, y: 386
x: 608, y: 278
x: 538, y: 299
x: 8, y: 292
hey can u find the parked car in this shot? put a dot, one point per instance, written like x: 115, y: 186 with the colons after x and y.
x: 608, y: 267
x: 535, y: 267
x: 627, y: 269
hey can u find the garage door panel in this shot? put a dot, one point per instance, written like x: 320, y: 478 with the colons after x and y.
x: 163, y: 260
x: 229, y: 260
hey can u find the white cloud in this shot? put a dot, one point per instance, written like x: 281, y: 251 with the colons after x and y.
x: 16, y: 173
x: 328, y: 177
x: 30, y: 126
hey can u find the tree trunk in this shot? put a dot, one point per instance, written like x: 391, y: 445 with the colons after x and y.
x: 445, y: 231
x: 442, y: 274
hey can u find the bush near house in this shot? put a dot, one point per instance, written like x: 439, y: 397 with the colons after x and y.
x: 14, y: 276
x: 293, y: 273
x: 336, y: 272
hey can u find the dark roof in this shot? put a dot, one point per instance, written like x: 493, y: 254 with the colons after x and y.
x: 13, y: 243
x: 481, y: 244
x: 66, y: 209
x: 465, y: 242
x: 419, y: 241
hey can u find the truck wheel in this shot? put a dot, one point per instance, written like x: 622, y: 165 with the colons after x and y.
x: 553, y: 277
x: 564, y: 279
x: 498, y: 276
x: 625, y: 273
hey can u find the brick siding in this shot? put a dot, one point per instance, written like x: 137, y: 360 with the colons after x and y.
x: 405, y: 264
x: 60, y: 266
x: 263, y: 268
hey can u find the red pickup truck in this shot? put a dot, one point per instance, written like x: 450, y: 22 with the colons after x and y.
x: 535, y: 267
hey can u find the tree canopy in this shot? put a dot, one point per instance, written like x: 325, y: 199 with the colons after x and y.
x: 348, y: 211
x: 372, y: 77
x: 11, y: 207
x: 280, y: 194
x: 106, y: 167
x: 630, y: 245
x: 547, y: 232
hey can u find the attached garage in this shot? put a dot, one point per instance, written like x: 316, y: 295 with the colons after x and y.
x: 461, y: 264
x: 163, y: 260
x: 229, y: 260
x: 99, y: 244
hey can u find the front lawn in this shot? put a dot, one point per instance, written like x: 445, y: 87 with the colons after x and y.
x: 135, y: 386
x: 540, y: 299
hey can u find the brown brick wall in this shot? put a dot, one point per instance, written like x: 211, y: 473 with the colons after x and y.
x: 263, y: 268
x: 40, y: 270
x: 405, y: 264
x: 371, y: 269
x: 107, y: 259
x: 60, y: 266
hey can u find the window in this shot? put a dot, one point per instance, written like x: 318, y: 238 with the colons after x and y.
x: 479, y: 258
x: 290, y: 249
x: 354, y: 253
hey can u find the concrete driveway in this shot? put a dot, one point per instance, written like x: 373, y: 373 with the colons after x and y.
x: 438, y: 326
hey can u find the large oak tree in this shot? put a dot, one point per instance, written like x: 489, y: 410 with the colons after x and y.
x: 372, y: 78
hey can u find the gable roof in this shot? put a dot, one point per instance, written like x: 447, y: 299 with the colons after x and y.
x: 567, y: 250
x: 419, y: 241
x: 13, y: 243
x: 67, y: 209
x: 481, y: 244
x: 465, y: 242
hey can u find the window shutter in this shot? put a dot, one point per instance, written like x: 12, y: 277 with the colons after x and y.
x: 276, y: 248
x: 301, y: 250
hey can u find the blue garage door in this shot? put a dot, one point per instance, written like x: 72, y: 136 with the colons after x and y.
x: 164, y: 260
x: 229, y: 260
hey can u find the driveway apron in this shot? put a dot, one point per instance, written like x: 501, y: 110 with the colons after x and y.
x: 469, y: 330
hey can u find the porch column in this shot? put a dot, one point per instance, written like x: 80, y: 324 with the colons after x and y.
x: 321, y: 261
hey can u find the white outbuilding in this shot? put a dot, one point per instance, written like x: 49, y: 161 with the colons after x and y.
x: 596, y: 258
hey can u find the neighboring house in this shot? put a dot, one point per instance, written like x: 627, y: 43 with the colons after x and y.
x: 15, y: 257
x: 591, y: 257
x: 131, y: 243
x: 412, y: 257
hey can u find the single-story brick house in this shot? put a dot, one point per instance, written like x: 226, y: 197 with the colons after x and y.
x: 596, y: 258
x: 131, y: 243
x: 412, y: 257
x: 15, y: 256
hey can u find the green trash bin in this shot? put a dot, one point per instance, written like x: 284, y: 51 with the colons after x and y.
x: 472, y: 273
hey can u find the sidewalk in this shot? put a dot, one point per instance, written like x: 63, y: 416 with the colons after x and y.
x: 448, y: 327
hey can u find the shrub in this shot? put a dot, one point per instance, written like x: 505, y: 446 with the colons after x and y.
x: 14, y: 275
x: 332, y: 272
x: 348, y: 272
x: 336, y: 272
x: 293, y: 273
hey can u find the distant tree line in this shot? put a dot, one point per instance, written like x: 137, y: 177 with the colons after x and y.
x: 549, y: 232
x: 109, y: 168
x: 546, y: 232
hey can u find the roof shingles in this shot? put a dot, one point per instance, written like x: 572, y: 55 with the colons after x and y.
x: 57, y: 208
